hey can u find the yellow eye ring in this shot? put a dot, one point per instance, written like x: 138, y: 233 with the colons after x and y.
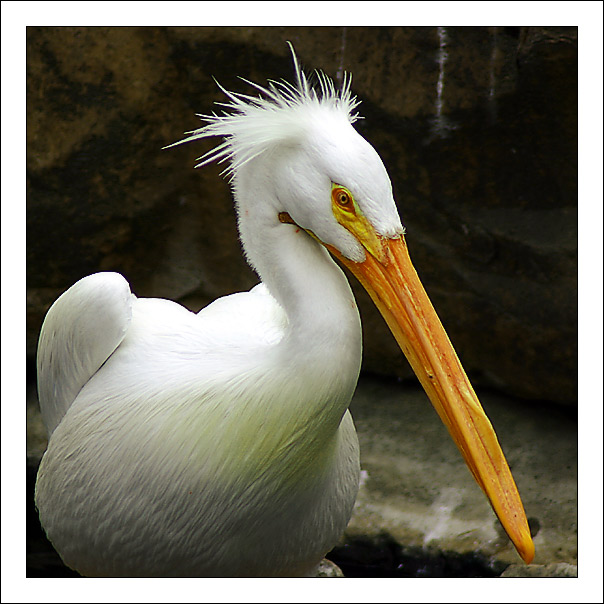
x: 342, y: 198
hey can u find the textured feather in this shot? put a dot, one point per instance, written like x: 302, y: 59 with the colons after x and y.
x: 192, y: 450
x: 254, y: 125
x: 80, y: 331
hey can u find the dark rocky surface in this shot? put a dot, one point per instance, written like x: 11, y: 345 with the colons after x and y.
x: 419, y: 512
x: 487, y: 189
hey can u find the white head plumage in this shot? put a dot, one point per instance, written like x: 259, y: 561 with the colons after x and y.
x: 253, y: 125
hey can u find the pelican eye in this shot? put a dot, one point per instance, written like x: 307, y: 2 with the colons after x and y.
x: 342, y: 198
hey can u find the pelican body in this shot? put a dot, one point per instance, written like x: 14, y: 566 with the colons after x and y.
x: 220, y: 443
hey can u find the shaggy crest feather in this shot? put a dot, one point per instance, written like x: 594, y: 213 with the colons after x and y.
x: 255, y: 124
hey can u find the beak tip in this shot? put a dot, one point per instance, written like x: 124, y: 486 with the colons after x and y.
x: 527, y: 551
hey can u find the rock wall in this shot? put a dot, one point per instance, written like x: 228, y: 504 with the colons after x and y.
x: 477, y: 127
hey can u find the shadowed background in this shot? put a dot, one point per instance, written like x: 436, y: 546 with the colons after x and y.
x: 477, y: 127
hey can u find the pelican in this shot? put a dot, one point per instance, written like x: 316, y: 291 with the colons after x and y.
x: 220, y: 443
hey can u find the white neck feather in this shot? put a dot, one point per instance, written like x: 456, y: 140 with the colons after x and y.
x: 324, y: 328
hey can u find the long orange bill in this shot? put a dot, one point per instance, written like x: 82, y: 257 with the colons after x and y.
x: 395, y: 288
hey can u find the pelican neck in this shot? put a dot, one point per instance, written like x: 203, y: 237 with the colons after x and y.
x: 302, y: 277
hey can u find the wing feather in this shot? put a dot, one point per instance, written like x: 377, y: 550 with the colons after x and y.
x: 80, y: 332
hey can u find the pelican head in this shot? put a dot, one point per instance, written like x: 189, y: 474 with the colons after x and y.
x: 297, y: 148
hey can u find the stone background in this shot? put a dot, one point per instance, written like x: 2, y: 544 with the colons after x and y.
x: 487, y: 190
x: 486, y: 186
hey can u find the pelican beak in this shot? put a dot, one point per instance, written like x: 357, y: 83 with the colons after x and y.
x: 392, y: 282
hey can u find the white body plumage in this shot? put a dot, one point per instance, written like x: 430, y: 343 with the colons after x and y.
x: 171, y: 462
x: 217, y: 443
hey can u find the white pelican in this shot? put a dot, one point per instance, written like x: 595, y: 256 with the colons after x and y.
x: 220, y: 443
